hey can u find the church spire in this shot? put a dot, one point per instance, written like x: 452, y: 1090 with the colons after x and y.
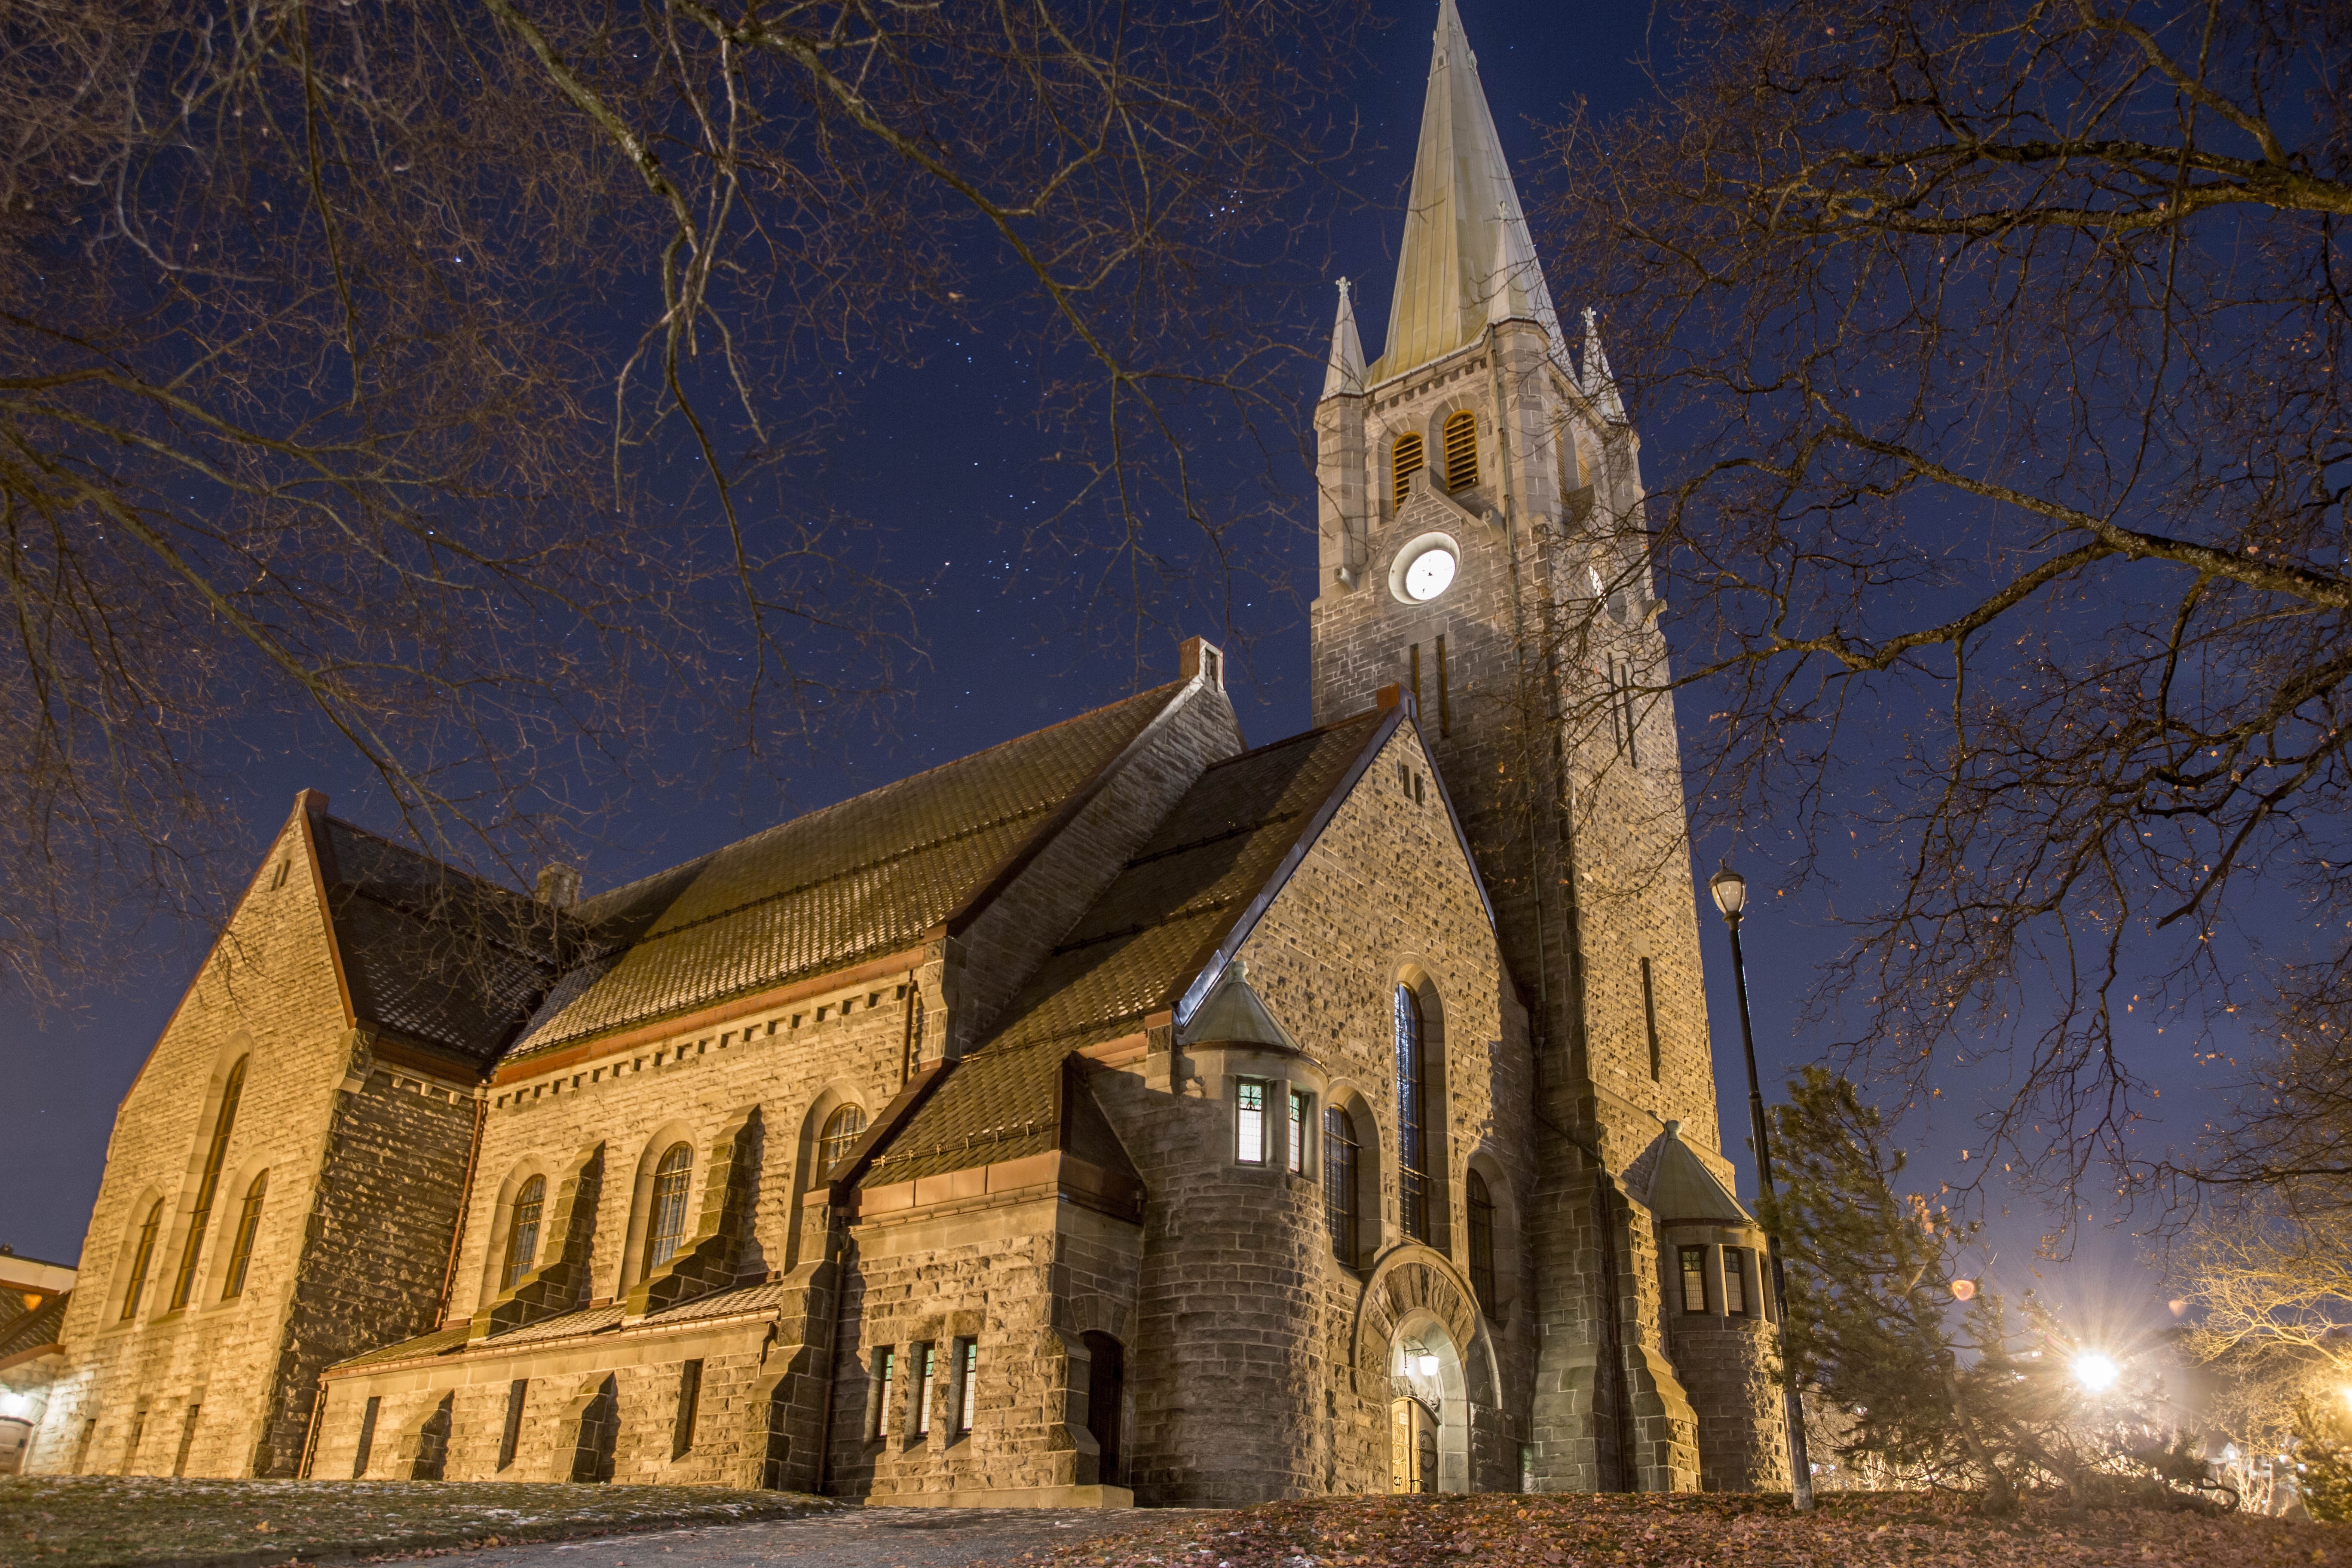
x: 1345, y: 373
x: 1465, y: 258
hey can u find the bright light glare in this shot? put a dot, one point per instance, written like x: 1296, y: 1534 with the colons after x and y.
x: 1429, y: 575
x: 1425, y: 1365
x: 2096, y: 1372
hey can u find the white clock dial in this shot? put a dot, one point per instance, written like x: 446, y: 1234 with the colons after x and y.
x: 1429, y: 573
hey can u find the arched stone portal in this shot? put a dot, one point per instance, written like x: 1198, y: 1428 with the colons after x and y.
x: 1417, y: 1312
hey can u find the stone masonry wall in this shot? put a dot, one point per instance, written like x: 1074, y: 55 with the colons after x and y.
x: 1584, y: 851
x: 1020, y: 1276
x: 1244, y: 1376
x: 269, y: 990
x: 379, y: 1225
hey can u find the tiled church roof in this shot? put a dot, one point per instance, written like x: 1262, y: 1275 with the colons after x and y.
x: 1147, y: 937
x: 856, y: 880
x: 431, y: 953
x: 1133, y: 955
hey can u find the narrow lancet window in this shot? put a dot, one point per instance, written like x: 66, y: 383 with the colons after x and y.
x: 1413, y: 1183
x: 1340, y: 1149
x: 209, y: 1185
x: 1482, y: 1243
x: 142, y: 1255
x: 248, y: 1225
x: 666, y: 1225
x: 522, y: 1232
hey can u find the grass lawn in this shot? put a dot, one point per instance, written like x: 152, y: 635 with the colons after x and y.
x: 1850, y: 1530
x: 99, y: 1521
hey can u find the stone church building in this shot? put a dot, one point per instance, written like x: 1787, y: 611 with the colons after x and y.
x: 1122, y: 1113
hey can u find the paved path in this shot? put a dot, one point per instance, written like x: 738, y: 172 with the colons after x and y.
x: 851, y: 1538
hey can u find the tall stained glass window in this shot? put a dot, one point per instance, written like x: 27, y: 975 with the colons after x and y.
x: 1413, y: 1182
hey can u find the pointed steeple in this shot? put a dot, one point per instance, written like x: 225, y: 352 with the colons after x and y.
x: 1466, y: 258
x: 1597, y: 382
x: 1346, y: 370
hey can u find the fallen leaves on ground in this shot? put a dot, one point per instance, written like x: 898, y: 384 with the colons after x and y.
x: 1850, y: 1530
x: 109, y: 1521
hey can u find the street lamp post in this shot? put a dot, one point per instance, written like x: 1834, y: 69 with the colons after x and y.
x: 1730, y: 891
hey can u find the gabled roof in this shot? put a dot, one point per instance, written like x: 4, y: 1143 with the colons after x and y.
x: 1207, y: 867
x: 1466, y: 258
x: 860, y: 879
x: 431, y: 953
x: 1166, y: 923
x: 1682, y: 1190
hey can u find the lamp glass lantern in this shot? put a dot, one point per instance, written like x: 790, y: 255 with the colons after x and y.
x: 1730, y: 891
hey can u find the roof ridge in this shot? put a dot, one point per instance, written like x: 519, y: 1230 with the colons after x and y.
x: 433, y: 860
x: 901, y: 852
x: 1367, y: 716
x: 814, y: 812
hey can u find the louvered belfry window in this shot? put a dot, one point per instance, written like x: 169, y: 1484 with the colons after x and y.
x: 1460, y: 451
x: 1404, y: 463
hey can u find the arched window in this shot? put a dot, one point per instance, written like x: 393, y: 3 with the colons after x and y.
x: 1413, y: 1183
x: 522, y: 1232
x: 1460, y: 451
x: 1339, y: 1182
x: 665, y: 1226
x: 842, y: 1131
x: 1404, y: 463
x: 207, y: 1187
x: 1482, y: 1243
x: 140, y: 1257
x: 249, y: 1224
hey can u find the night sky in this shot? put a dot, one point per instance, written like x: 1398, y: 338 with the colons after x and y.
x: 929, y: 455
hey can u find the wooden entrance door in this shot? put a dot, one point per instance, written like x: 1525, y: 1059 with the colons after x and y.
x: 1413, y: 1447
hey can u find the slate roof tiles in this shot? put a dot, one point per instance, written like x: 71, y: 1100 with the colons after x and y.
x: 868, y: 877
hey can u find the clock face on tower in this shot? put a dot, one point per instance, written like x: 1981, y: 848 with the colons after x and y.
x: 1424, y: 569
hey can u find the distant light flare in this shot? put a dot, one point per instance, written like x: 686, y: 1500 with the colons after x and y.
x: 2096, y: 1372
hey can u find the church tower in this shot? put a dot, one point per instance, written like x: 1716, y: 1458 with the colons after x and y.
x: 1482, y: 546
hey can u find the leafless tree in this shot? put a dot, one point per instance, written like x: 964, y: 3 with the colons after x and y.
x: 1991, y: 358
x: 437, y: 387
